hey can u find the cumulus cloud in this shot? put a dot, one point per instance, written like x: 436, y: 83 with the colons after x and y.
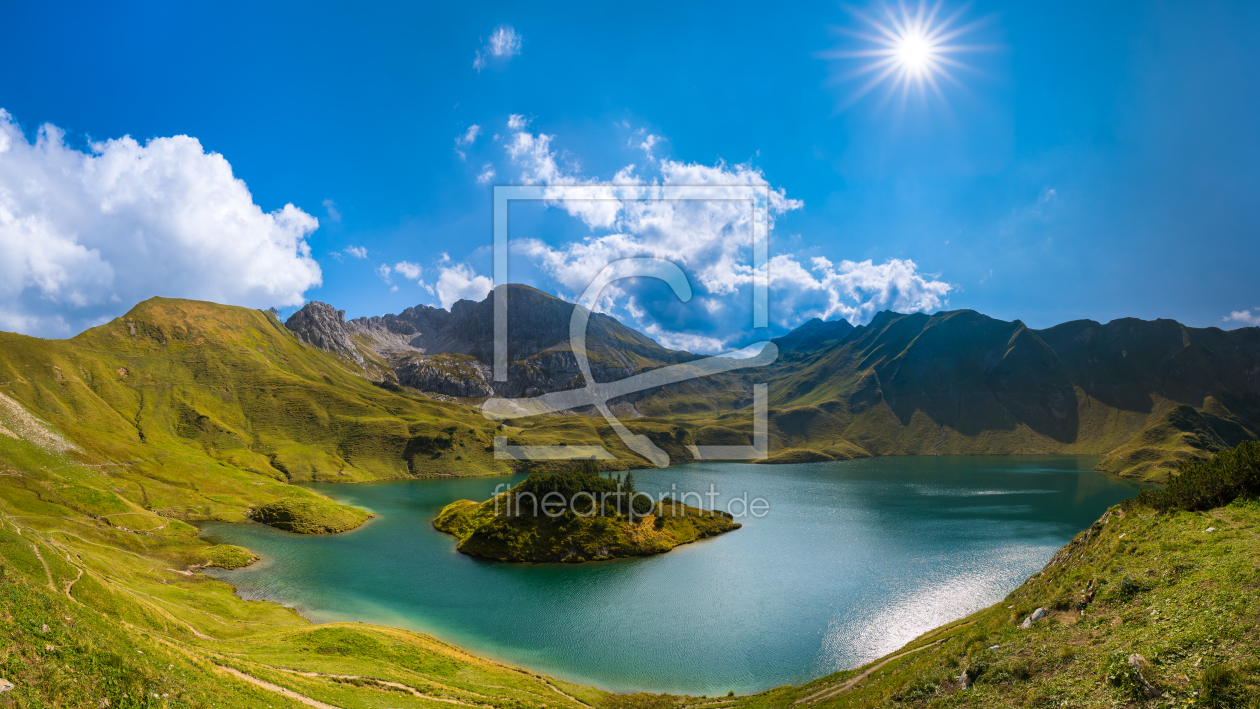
x: 356, y: 251
x: 84, y: 235
x: 408, y: 270
x: 504, y: 43
x: 711, y: 240
x: 1244, y: 317
x: 385, y: 272
x: 648, y: 143
x: 486, y: 175
x: 852, y: 290
x: 711, y: 237
x: 459, y: 282
x: 517, y: 122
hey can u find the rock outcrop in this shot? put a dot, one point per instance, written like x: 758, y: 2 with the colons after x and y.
x: 323, y: 326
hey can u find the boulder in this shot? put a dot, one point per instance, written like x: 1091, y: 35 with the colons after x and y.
x: 1137, y: 662
x: 1036, y: 616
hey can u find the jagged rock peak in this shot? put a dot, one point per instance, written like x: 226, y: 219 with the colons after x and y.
x: 323, y: 326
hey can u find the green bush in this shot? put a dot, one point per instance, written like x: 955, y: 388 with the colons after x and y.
x: 229, y: 556
x: 585, y: 480
x: 1221, y: 688
x: 1119, y: 673
x: 1216, y: 482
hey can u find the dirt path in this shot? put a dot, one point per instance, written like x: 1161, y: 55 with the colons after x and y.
x: 829, y: 692
x: 70, y: 585
x: 48, y: 570
x: 564, y: 694
x: 277, y: 689
x: 396, y: 685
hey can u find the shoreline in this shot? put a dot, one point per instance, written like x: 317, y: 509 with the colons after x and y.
x: 462, y: 640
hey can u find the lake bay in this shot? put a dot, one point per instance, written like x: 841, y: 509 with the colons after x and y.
x: 852, y: 560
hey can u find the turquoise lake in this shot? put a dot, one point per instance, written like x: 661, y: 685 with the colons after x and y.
x: 852, y: 560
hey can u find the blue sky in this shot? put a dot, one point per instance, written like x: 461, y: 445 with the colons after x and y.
x: 1090, y: 162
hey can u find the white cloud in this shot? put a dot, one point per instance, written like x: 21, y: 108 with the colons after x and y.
x: 333, y: 213
x: 470, y: 136
x: 684, y: 341
x: 1243, y: 316
x: 504, y: 43
x: 487, y: 174
x: 711, y: 237
x: 648, y: 143
x: 410, y: 271
x: 516, y: 122
x: 85, y: 235
x: 459, y: 282
x: 852, y: 290
x: 384, y: 271
x: 356, y: 251
x: 711, y: 241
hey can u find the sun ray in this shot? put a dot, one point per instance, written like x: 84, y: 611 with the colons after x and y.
x: 906, y: 49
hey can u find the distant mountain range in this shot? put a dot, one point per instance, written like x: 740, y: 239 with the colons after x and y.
x: 185, y: 397
x: 1145, y: 394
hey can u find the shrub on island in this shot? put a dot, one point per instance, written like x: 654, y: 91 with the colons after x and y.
x: 576, y: 516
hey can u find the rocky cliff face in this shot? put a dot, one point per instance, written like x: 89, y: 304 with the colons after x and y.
x: 323, y: 326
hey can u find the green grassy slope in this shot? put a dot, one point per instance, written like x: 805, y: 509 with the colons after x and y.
x: 108, y: 610
x: 1157, y: 585
x: 197, y: 411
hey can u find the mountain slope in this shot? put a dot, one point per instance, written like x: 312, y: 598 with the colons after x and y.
x: 198, y: 410
x: 963, y: 383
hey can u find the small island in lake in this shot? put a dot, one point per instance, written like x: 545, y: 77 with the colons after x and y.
x: 576, y: 516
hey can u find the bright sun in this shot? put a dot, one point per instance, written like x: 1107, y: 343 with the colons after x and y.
x: 908, y: 48
x: 914, y: 52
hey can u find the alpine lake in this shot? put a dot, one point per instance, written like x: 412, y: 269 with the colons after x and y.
x: 851, y: 560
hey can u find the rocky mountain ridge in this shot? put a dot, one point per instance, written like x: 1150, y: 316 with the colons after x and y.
x: 452, y: 352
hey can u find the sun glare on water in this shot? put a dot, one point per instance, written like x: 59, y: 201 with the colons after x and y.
x: 907, y: 49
